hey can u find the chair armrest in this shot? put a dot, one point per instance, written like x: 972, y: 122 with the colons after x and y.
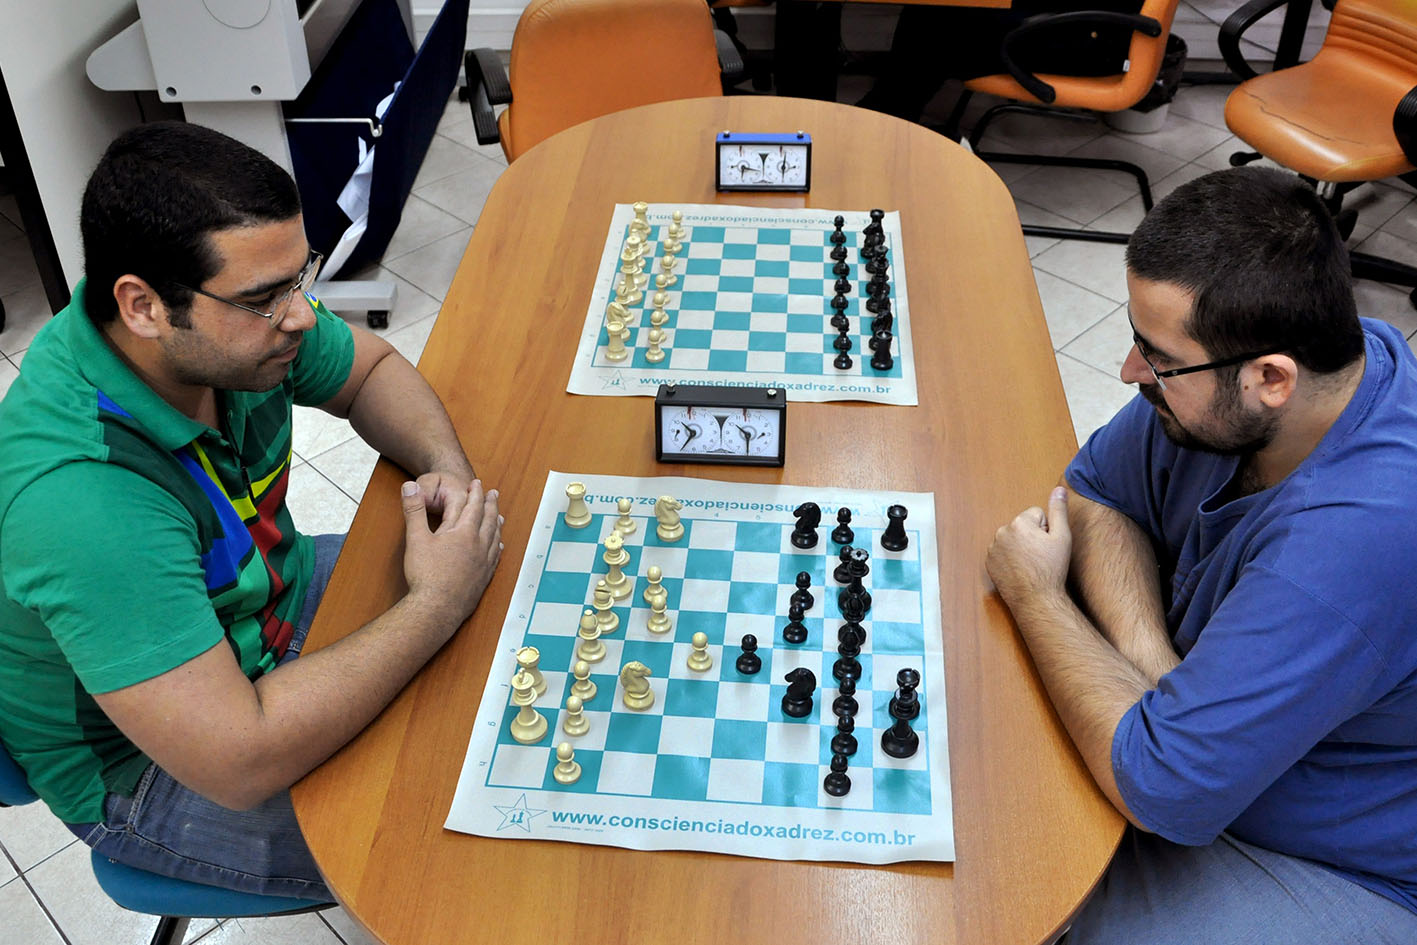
x: 1043, y: 22
x: 1404, y: 124
x: 487, y: 85
x: 730, y: 61
x: 1235, y: 26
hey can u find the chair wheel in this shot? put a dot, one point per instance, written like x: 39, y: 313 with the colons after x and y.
x: 379, y: 319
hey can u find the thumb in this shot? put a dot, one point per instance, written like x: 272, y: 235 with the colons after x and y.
x: 1058, y: 512
x: 415, y: 514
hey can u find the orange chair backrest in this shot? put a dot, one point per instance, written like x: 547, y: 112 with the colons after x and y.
x: 573, y: 60
x: 1383, y: 33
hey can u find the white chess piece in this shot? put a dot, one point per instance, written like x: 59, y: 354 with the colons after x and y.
x: 616, y: 557
x: 655, y: 353
x: 666, y: 511
x: 582, y: 688
x: 529, y: 725
x: 676, y: 224
x: 616, y: 350
x: 640, y: 224
x: 567, y: 770
x: 634, y: 683
x: 606, y: 619
x: 625, y: 524
x: 529, y: 659
x: 616, y: 311
x: 700, y: 660
x: 655, y: 587
x: 666, y: 267
x: 577, y: 513
x: 575, y: 722
x: 590, y: 648
x: 659, y: 621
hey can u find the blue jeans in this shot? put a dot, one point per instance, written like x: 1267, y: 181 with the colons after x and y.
x: 1231, y: 893
x: 166, y: 828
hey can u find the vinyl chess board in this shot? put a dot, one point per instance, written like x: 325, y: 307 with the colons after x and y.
x: 715, y: 764
x: 751, y: 305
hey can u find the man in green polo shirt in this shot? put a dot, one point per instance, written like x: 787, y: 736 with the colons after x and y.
x: 153, y: 589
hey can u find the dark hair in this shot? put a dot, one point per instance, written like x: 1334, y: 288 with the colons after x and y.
x: 157, y: 193
x: 1264, y: 262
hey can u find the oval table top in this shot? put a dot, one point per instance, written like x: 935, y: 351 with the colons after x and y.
x: 990, y: 436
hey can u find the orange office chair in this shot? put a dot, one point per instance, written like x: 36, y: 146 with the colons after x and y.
x: 574, y: 60
x: 1347, y: 117
x: 1110, y: 93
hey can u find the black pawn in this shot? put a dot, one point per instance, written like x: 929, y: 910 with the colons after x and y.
x: 838, y: 237
x: 842, y: 534
x: 852, y: 607
x: 855, y: 629
x: 837, y: 783
x: 802, y: 596
x: 842, y: 342
x: 840, y: 322
x: 749, y: 662
x: 841, y: 269
x: 842, y: 362
x: 847, y: 642
x: 804, y: 533
x: 846, y: 667
x: 894, y: 537
x: 844, y: 742
x: 838, y: 253
x: 900, y: 740
x: 795, y: 632
x: 846, y: 704
x: 839, y: 302
x: 842, y: 286
x: 797, y: 701
x: 842, y: 574
x: 839, y: 221
x: 881, y: 360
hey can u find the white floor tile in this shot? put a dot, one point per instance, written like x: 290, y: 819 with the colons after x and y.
x: 314, y: 431
x: 303, y: 929
x: 1402, y: 223
x: 31, y: 834
x: 445, y: 157
x: 1105, y: 345
x: 410, y: 339
x: 1377, y: 204
x: 1183, y: 138
x: 1077, y: 193
x: 1037, y: 134
x: 1125, y: 217
x: 346, y: 927
x: 420, y: 224
x: 1116, y: 146
x: 10, y: 210
x: 432, y: 268
x: 7, y: 870
x: 26, y: 312
x: 1093, y: 397
x: 1387, y: 302
x: 17, y: 267
x: 316, y: 504
x: 1069, y: 309
x: 1203, y: 103
x: 463, y: 194
x: 8, y: 373
x: 456, y: 124
x: 348, y: 466
x: 1098, y: 267
x: 25, y: 922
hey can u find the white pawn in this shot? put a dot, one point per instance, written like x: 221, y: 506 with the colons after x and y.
x: 676, y: 225
x: 575, y: 722
x: 606, y: 619
x: 659, y: 621
x: 529, y: 659
x: 583, y: 688
x: 529, y: 725
x: 616, y: 350
x: 700, y: 660
x: 655, y: 353
x: 577, y: 513
x: 666, y: 269
x: 666, y: 511
x: 616, y: 557
x: 659, y: 300
x: 655, y: 587
x: 590, y: 649
x: 625, y: 524
x: 567, y: 770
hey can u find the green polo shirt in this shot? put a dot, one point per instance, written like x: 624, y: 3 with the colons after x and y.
x: 132, y: 539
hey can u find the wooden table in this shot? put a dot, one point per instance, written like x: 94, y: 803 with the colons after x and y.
x: 990, y: 436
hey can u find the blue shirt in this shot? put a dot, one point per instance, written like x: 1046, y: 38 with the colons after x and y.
x: 1291, y: 721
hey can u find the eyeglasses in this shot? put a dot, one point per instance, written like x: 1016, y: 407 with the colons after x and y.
x: 302, y: 283
x: 1142, y: 349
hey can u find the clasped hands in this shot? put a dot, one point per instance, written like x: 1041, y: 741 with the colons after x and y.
x: 1029, y: 556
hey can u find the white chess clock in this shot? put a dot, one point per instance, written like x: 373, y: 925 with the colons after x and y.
x: 704, y: 423
x: 781, y: 162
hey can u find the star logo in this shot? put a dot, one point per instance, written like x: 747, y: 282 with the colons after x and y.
x: 518, y: 814
x: 613, y: 379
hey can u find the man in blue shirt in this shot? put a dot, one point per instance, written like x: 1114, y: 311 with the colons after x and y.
x: 1237, y: 659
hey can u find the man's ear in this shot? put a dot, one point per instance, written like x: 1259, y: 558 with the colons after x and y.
x: 140, y: 308
x: 1274, y: 377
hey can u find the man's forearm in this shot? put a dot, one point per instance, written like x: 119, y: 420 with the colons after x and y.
x: 1115, y: 574
x: 397, y: 413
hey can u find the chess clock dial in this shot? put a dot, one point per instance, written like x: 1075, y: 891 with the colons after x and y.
x: 709, y: 424
x: 780, y: 162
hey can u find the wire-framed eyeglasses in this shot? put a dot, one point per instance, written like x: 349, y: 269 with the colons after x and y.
x: 1160, y: 375
x: 280, y: 303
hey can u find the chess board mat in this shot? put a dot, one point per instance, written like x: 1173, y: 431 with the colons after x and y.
x: 715, y: 765
x: 752, y: 306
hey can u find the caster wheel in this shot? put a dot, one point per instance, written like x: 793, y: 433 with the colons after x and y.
x: 378, y: 319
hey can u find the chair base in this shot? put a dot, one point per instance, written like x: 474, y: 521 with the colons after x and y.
x: 1378, y: 269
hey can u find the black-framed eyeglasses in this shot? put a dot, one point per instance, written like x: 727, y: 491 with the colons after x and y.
x: 281, y: 303
x: 1161, y: 375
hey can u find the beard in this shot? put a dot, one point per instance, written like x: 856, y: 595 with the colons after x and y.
x: 1228, y: 430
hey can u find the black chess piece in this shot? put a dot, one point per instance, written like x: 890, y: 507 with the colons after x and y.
x: 908, y: 678
x: 874, y: 303
x: 795, y: 632
x: 894, y: 537
x: 884, y: 320
x: 838, y: 237
x: 838, y: 221
x: 749, y: 662
x: 842, y: 342
x: 842, y: 362
x: 855, y: 629
x: 801, y: 684
x: 857, y: 568
x: 841, y: 269
x: 841, y: 575
x: 877, y: 216
x: 881, y: 359
x: 838, y: 253
x: 837, y: 783
x: 852, y: 607
x: 842, y: 534
x: 846, y: 704
x: 844, y: 742
x: 842, y: 286
x: 846, y: 666
x: 900, y: 740
x: 840, y: 322
x: 809, y: 517
x: 905, y: 704
x: 802, y: 596
x: 839, y: 303
x: 847, y: 644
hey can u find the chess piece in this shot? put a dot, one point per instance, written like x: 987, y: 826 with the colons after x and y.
x: 846, y: 642
x: 700, y: 660
x: 843, y: 362
x: 838, y: 221
x: 836, y: 783
x: 802, y: 596
x: 845, y: 703
x: 659, y: 621
x: 749, y: 662
x: 666, y: 512
x: 528, y: 659
x: 655, y: 352
x: 839, y: 304
x: 655, y: 588
x: 840, y: 322
x: 842, y: 343
x: 900, y: 740
x: 666, y: 267
x: 676, y: 225
x: 881, y: 345
x: 883, y: 321
x: 844, y: 741
x: 842, y: 534
x: 659, y: 300
x: 634, y: 682
x: 842, y: 287
x: 528, y: 726
x: 658, y: 318
x: 606, y: 619
x: 590, y: 648
x: 575, y: 722
x: 582, y: 688
x: 640, y: 224
x: 894, y: 537
x: 846, y: 667
x: 619, y: 313
x: 625, y: 524
x: 837, y: 237
x: 842, y: 575
x: 838, y: 252
x: 577, y: 513
x: 615, y: 349
x: 795, y: 632
x: 567, y: 770
x: 797, y: 701
x: 616, y: 557
x: 804, y: 533
x: 841, y: 269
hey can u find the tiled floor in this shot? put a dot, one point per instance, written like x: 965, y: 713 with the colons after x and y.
x: 47, y: 892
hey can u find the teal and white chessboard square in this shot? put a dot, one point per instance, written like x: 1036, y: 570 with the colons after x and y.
x: 752, y: 304
x: 715, y: 754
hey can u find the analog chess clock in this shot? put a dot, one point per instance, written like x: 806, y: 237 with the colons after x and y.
x: 780, y: 162
x: 696, y: 423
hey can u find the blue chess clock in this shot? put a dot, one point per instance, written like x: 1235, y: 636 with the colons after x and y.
x: 705, y: 423
x: 771, y: 162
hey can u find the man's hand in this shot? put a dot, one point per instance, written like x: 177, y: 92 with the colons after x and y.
x: 438, y: 488
x: 1029, y: 556
x: 449, y: 566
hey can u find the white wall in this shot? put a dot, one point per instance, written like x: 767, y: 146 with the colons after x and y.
x: 64, y: 120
